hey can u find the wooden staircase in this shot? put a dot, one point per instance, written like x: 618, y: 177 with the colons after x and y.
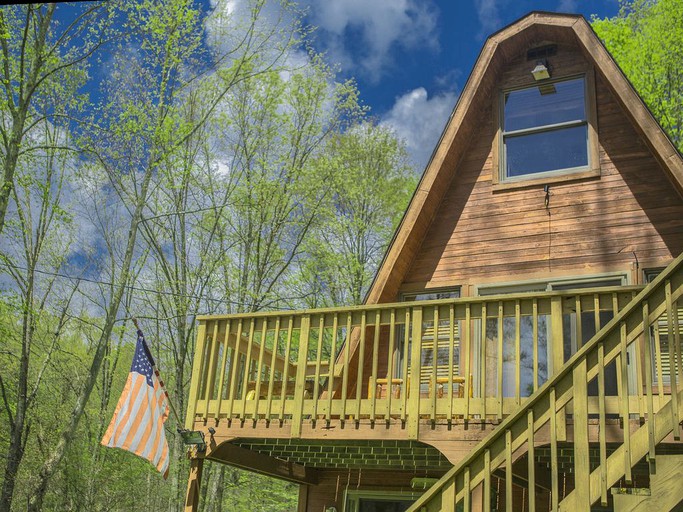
x: 564, y: 411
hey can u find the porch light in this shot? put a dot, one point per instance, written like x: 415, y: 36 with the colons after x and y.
x: 193, y: 438
x: 541, y: 72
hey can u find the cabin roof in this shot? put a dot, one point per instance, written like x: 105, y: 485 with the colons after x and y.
x: 532, y: 30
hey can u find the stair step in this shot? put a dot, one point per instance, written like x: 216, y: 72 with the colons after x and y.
x: 632, y: 491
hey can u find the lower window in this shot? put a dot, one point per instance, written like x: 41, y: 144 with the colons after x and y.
x: 378, y: 501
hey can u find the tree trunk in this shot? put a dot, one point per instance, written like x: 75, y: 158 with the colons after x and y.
x: 51, y: 464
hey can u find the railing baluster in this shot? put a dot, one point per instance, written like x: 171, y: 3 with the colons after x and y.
x: 415, y: 364
x: 435, y: 363
x: 195, y: 385
x: 232, y: 391
x: 331, y: 367
x: 318, y: 361
x: 557, y: 341
x: 658, y: 362
x: 677, y: 342
x: 375, y: 362
x: 602, y: 424
x: 499, y: 364
x: 390, y: 364
x: 300, y: 389
x: 466, y: 354
x: 648, y: 381
x: 482, y: 362
x: 508, y: 470
x: 577, y: 322
x: 259, y: 367
x: 466, y: 488
x: 531, y: 460
x: 554, y: 469
x: 273, y: 359
x: 534, y: 330
x: 596, y: 311
x: 673, y: 359
x: 620, y: 388
x: 361, y: 362
x: 223, y: 369
x: 285, y: 371
x: 518, y: 352
x: 625, y: 402
x: 451, y: 348
x: 213, y: 351
x: 345, y: 371
x: 639, y: 379
x: 581, y: 458
x: 404, y: 370
x: 247, y: 368
x: 487, y: 479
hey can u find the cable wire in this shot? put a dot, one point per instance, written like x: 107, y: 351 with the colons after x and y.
x: 109, y: 283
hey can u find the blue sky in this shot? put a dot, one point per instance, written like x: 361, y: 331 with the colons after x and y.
x: 410, y: 58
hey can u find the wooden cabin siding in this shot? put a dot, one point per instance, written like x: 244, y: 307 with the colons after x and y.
x: 592, y: 225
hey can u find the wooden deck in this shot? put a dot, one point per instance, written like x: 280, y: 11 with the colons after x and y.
x: 297, y: 374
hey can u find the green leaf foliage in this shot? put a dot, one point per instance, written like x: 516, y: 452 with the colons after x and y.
x: 646, y: 40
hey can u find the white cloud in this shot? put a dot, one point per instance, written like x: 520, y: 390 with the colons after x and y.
x: 489, y: 16
x: 570, y: 6
x: 419, y: 120
x: 373, y: 28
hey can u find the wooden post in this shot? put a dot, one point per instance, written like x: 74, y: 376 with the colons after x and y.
x: 195, y: 384
x: 557, y: 341
x: 415, y: 355
x: 193, y: 485
x: 297, y: 414
x: 581, y: 455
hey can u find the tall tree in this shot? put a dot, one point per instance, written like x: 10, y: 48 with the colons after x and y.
x: 371, y: 182
x: 646, y: 40
x: 273, y: 129
x: 37, y: 237
x: 39, y: 58
x: 278, y: 127
x: 141, y: 128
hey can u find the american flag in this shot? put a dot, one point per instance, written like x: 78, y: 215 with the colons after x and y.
x: 138, y: 422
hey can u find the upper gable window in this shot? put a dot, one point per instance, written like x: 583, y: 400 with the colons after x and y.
x: 545, y: 130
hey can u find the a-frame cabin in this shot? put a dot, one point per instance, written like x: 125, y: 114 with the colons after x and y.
x: 520, y: 348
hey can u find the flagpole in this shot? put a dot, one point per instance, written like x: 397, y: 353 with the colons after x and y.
x: 156, y: 372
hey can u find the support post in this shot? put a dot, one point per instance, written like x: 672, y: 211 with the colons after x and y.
x: 193, y: 485
x: 557, y: 344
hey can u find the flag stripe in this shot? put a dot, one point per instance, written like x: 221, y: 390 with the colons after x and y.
x: 154, y: 434
x: 135, y: 403
x: 139, y: 421
x: 126, y: 402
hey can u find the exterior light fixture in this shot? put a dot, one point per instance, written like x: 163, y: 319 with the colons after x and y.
x: 193, y: 438
x: 541, y: 72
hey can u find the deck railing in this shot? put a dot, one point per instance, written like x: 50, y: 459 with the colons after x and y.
x: 474, y: 359
x: 648, y: 413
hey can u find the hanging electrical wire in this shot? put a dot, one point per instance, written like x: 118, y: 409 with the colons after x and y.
x: 109, y: 283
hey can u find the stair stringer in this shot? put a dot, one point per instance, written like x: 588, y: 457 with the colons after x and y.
x: 663, y: 421
x: 665, y: 489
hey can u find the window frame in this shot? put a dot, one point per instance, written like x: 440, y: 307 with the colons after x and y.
x: 352, y: 497
x: 592, y: 170
x: 401, y: 355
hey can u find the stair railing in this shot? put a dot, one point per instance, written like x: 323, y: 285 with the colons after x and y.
x: 564, y: 402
